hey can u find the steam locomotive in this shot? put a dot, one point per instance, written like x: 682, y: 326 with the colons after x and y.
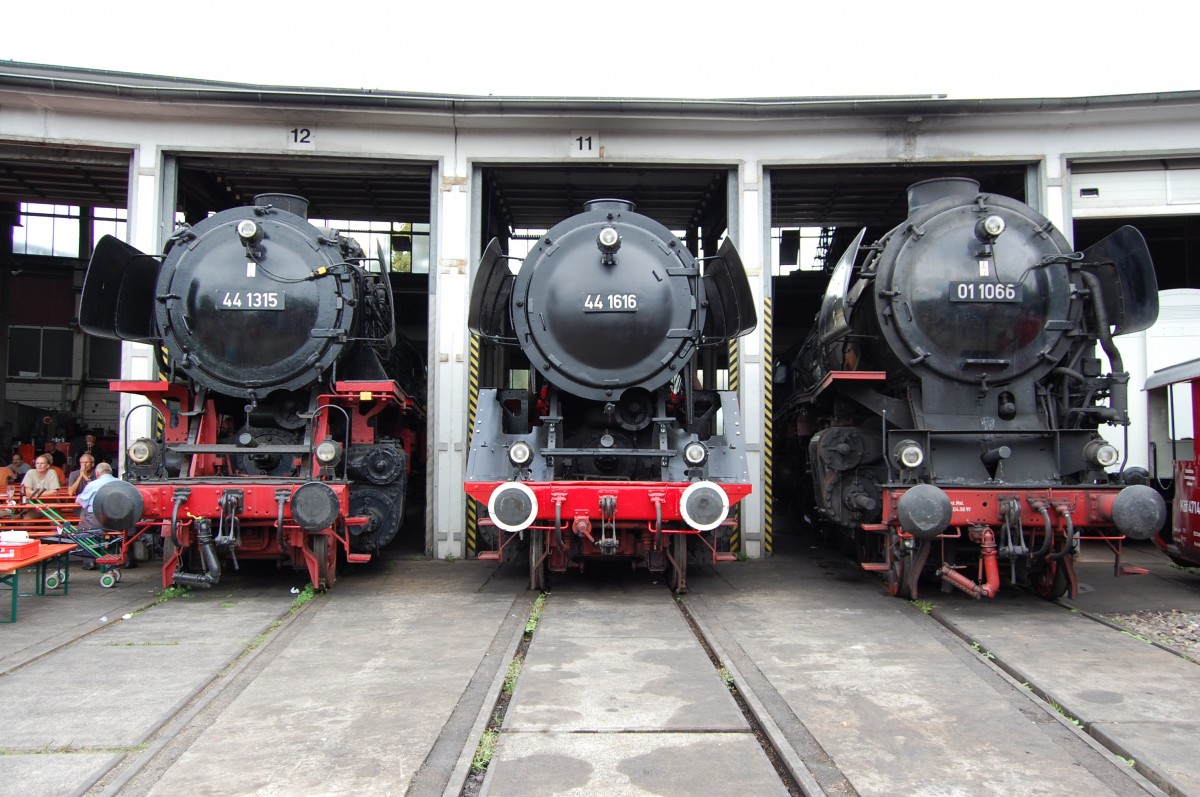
x: 615, y: 448
x: 947, y: 402
x: 286, y: 412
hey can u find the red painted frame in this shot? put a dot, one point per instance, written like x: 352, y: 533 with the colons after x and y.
x: 259, y: 536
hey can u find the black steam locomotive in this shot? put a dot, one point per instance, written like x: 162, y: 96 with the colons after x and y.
x: 947, y: 403
x: 288, y: 423
x: 614, y: 448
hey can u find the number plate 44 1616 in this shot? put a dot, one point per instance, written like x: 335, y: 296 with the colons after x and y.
x: 610, y: 303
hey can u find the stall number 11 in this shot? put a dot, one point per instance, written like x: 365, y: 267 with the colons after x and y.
x: 585, y: 144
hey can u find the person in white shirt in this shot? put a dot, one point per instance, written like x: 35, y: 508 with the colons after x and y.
x: 87, y: 518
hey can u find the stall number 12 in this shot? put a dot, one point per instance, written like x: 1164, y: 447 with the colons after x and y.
x: 302, y: 137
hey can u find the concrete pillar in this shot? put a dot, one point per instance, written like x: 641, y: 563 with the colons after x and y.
x: 448, y: 391
x: 749, y: 240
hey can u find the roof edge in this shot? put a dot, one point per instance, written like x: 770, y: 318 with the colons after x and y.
x: 161, y: 88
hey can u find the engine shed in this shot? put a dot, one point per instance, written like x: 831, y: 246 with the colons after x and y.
x: 426, y: 181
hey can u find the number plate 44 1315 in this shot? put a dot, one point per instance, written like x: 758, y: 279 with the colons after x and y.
x: 250, y: 300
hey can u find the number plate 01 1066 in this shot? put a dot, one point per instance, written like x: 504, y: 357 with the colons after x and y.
x: 249, y: 300
x: 985, y: 292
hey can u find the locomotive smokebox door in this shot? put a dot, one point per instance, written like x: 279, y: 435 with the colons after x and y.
x: 606, y: 302
x: 250, y: 318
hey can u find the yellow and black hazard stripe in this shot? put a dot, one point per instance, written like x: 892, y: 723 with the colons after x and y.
x: 472, y: 407
x: 768, y: 428
x: 162, y: 365
x: 735, y: 363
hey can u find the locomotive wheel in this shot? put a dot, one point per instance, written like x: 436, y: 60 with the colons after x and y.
x: 326, y: 556
x: 677, y: 575
x: 538, y: 574
x: 897, y: 575
x: 1050, y: 582
x: 904, y: 570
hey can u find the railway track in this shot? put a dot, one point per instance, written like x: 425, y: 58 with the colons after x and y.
x: 908, y: 724
x: 794, y: 676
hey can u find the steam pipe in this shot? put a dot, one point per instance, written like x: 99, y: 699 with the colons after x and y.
x: 208, y: 553
x: 991, y: 571
x: 1049, y: 538
x: 1070, y: 537
x: 181, y: 496
x: 1118, y: 399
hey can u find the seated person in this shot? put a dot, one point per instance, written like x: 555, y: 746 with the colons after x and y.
x: 57, y: 458
x: 82, y: 477
x: 88, y: 520
x: 89, y: 447
x: 19, y: 468
x: 8, y: 486
x: 41, y: 478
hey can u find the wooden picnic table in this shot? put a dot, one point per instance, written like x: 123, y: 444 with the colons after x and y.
x: 10, y: 571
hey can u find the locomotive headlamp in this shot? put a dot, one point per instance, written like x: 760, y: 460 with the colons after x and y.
x: 609, y: 240
x: 908, y: 454
x: 249, y: 231
x: 328, y: 452
x: 512, y: 506
x: 704, y: 505
x: 519, y: 453
x: 988, y: 229
x: 142, y: 450
x: 1101, y: 453
x: 695, y: 453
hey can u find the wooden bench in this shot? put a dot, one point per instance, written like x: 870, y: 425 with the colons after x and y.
x: 17, y: 513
